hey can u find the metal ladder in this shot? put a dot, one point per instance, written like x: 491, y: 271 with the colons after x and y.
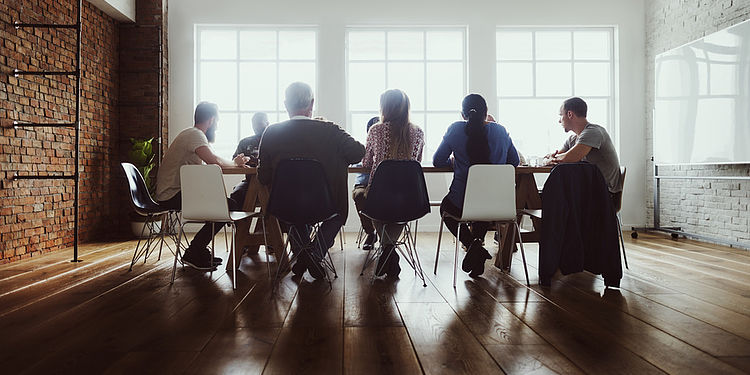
x: 76, y: 124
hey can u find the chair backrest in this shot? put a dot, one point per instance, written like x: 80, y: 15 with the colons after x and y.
x: 617, y: 197
x: 299, y: 192
x: 140, y: 199
x: 398, y: 192
x: 203, y: 194
x: 490, y: 193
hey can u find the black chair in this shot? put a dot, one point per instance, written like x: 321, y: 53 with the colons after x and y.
x: 398, y: 195
x: 144, y: 205
x: 300, y: 198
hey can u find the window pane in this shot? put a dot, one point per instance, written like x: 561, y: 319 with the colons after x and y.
x: 553, y: 79
x: 514, y: 45
x: 592, y: 79
x: 445, y: 45
x: 358, y: 125
x: 553, y: 45
x: 218, y: 84
x: 293, y: 72
x: 434, y: 130
x: 533, y: 124
x: 258, y: 86
x: 515, y: 79
x: 297, y: 45
x: 405, y: 45
x: 218, y: 44
x: 259, y: 45
x: 366, y: 83
x: 409, y: 77
x: 444, y: 86
x: 366, y: 45
x: 226, y: 135
x: 590, y: 45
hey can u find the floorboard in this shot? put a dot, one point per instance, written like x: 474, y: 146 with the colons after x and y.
x: 682, y: 307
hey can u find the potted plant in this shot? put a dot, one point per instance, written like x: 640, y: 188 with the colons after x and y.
x: 142, y: 156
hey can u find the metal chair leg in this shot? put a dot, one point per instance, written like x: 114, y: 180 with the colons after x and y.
x: 437, y: 253
x: 234, y: 260
x: 177, y: 253
x: 455, y: 255
x: 622, y: 242
x: 523, y: 253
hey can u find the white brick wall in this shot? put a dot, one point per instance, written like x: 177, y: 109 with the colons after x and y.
x: 715, y: 208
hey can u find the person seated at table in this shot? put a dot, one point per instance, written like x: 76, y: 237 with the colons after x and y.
x: 394, y: 137
x: 304, y: 137
x: 358, y: 195
x: 248, y: 146
x: 472, y: 141
x: 192, y: 146
x: 589, y: 142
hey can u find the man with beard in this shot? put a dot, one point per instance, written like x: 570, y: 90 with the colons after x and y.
x: 191, y: 146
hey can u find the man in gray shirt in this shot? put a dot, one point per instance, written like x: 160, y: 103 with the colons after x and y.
x: 589, y: 143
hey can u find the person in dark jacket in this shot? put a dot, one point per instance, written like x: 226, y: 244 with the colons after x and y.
x: 326, y: 142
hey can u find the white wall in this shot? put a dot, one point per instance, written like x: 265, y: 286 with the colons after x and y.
x: 481, y: 16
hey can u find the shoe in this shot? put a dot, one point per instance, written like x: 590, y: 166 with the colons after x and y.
x: 299, y: 267
x: 198, y: 260
x: 316, y: 269
x: 381, y: 267
x: 477, y: 267
x: 370, y: 241
x: 393, y: 267
x: 471, y: 254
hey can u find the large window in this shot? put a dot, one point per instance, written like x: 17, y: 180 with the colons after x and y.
x: 538, y: 68
x: 428, y: 64
x: 245, y: 70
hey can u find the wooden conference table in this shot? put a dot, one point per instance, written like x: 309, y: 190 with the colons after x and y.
x: 527, y: 196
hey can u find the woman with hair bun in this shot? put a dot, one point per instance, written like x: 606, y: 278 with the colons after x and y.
x: 472, y: 141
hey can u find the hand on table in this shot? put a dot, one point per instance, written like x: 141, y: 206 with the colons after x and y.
x: 240, y: 160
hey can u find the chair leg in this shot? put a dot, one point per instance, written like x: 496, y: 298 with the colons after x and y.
x: 360, y: 236
x: 416, y: 230
x: 622, y: 242
x: 234, y: 260
x: 523, y: 253
x: 455, y: 255
x: 213, y: 245
x: 341, y: 238
x: 265, y: 243
x: 164, y: 221
x: 437, y: 253
x: 177, y: 253
x: 136, y: 254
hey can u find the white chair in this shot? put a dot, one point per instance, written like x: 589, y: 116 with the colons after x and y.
x: 204, y: 199
x: 490, y: 196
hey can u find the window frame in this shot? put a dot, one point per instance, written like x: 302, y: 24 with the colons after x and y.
x: 612, y: 109
x: 237, y: 29
x: 463, y: 29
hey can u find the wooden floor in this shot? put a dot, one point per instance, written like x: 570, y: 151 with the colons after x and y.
x: 684, y: 307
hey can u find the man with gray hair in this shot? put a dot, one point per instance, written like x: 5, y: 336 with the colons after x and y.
x: 304, y: 137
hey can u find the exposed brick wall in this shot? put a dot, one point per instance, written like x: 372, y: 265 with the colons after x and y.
x: 143, y: 83
x: 714, y: 208
x: 37, y: 215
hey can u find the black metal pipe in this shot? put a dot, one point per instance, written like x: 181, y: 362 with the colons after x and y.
x: 17, y: 72
x: 17, y: 124
x: 78, y: 131
x: 40, y: 177
x: 19, y: 25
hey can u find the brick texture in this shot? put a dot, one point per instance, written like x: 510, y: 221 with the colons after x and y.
x: 36, y: 216
x: 715, y: 208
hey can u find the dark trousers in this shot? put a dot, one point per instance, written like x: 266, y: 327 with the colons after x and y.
x: 477, y: 230
x: 205, y: 234
x: 324, y: 239
x: 359, y: 197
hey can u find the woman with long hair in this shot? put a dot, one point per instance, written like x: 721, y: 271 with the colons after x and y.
x: 472, y: 141
x: 393, y: 138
